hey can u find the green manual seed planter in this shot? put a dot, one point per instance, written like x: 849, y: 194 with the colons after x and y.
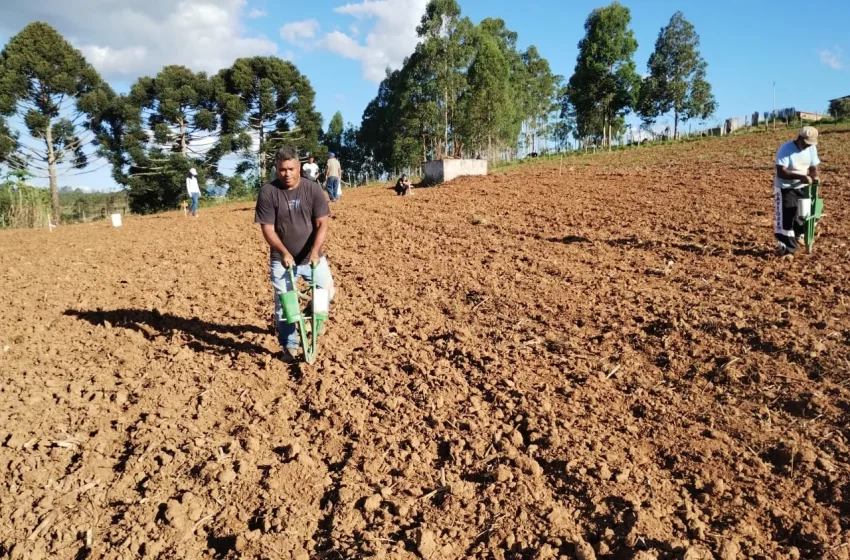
x: 809, y: 211
x: 319, y: 304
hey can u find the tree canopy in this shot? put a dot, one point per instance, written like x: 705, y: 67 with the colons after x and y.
x: 677, y: 81
x: 840, y: 108
x: 465, y: 91
x: 333, y: 137
x: 46, y: 114
x: 603, y: 88
x: 265, y: 103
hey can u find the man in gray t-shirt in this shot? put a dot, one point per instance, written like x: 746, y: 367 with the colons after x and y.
x: 333, y: 174
x: 293, y: 215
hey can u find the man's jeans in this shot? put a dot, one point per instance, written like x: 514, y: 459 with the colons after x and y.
x: 334, y: 191
x: 288, y: 334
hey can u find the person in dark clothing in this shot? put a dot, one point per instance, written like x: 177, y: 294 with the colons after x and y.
x: 402, y: 186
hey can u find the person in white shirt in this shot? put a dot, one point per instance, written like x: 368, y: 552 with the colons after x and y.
x: 796, y: 167
x: 193, y: 190
x: 311, y: 170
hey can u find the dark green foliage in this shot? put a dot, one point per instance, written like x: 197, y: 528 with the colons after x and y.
x: 605, y: 83
x: 163, y: 187
x: 269, y: 99
x: 840, y: 108
x: 163, y: 120
x: 465, y: 91
x: 48, y: 85
x: 676, y: 80
x: 333, y: 137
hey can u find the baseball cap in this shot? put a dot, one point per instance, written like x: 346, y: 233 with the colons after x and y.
x: 193, y: 172
x: 809, y: 134
x: 334, y: 155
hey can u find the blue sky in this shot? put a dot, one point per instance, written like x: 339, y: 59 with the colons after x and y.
x: 343, y: 47
x: 747, y: 44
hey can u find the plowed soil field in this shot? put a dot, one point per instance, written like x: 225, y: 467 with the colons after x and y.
x: 600, y: 359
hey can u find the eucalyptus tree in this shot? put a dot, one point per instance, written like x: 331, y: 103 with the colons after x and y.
x: 677, y: 77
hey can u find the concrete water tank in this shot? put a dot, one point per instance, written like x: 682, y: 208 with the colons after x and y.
x: 444, y: 170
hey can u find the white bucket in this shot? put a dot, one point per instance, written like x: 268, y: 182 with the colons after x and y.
x: 321, y: 301
x: 116, y: 220
x: 804, y: 207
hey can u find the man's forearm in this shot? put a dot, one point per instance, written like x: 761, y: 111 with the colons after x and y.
x: 319, y: 240
x: 274, y: 241
x: 783, y: 173
x: 814, y: 172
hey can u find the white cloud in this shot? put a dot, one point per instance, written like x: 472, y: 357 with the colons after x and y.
x: 295, y: 31
x: 137, y: 37
x: 255, y: 13
x: 391, y: 39
x: 833, y: 58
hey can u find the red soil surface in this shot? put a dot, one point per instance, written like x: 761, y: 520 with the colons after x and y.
x: 599, y: 359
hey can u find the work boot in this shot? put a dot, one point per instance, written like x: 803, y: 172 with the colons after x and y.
x: 781, y: 249
x: 289, y: 356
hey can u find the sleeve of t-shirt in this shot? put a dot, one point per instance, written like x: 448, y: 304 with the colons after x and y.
x: 320, y: 203
x: 264, y: 213
x: 815, y: 160
x: 783, y: 157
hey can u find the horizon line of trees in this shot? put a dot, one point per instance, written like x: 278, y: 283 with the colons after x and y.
x: 59, y: 118
x: 466, y: 91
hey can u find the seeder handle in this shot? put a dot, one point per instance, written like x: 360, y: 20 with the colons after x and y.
x: 311, y: 345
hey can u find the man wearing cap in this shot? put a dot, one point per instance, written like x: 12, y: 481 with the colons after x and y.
x: 796, y: 167
x: 193, y: 190
x: 333, y: 174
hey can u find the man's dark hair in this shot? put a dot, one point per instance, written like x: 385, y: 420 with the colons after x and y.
x: 285, y: 154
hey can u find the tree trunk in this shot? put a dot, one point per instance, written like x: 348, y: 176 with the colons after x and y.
x: 183, y: 138
x: 51, y: 171
x: 446, y: 122
x: 261, y: 172
x: 675, y: 124
x: 604, y: 128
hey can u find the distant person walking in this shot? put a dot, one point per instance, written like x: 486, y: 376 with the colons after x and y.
x: 796, y: 167
x: 333, y: 175
x: 293, y: 215
x: 311, y: 170
x: 193, y: 190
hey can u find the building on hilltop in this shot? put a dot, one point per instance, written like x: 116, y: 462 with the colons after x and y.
x: 809, y: 116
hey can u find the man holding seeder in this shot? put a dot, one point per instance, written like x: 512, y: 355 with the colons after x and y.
x: 293, y: 215
x: 796, y: 167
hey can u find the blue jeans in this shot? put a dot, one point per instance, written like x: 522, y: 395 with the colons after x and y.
x: 287, y: 334
x: 334, y: 192
x: 194, y: 207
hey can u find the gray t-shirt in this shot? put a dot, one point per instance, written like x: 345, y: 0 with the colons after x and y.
x: 292, y: 213
x: 334, y: 169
